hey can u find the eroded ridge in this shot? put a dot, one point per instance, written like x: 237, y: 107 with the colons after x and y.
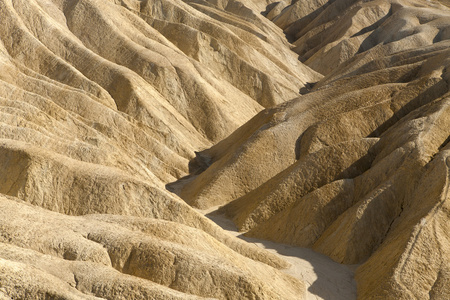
x: 311, y: 123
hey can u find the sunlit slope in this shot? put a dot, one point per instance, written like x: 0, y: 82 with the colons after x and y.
x: 102, y: 103
x: 357, y: 167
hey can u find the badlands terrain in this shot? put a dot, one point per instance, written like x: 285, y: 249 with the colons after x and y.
x: 317, y: 129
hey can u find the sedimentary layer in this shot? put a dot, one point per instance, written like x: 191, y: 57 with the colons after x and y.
x: 311, y: 123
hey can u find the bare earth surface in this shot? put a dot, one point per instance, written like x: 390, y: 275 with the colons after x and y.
x: 321, y: 129
x: 323, y: 277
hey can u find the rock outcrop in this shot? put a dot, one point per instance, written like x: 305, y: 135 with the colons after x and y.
x: 110, y: 256
x: 343, y: 168
x: 102, y: 104
x: 321, y: 124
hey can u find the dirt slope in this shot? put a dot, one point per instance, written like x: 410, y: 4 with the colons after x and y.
x: 312, y: 123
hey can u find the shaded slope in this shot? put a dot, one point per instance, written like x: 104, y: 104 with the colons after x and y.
x: 340, y: 168
x: 96, y: 254
x: 103, y: 103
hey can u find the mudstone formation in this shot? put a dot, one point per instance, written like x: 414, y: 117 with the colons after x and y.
x: 313, y: 123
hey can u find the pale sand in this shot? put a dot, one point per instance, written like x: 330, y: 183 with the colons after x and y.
x: 324, y: 278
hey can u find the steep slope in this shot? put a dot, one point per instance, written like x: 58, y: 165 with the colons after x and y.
x: 105, y: 256
x: 102, y: 103
x: 322, y: 124
x: 356, y: 167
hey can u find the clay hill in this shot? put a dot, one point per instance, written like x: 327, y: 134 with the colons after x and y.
x: 311, y: 123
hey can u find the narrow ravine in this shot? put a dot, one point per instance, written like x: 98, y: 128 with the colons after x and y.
x: 324, y: 278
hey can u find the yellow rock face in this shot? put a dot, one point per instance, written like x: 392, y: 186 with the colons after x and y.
x: 310, y: 123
